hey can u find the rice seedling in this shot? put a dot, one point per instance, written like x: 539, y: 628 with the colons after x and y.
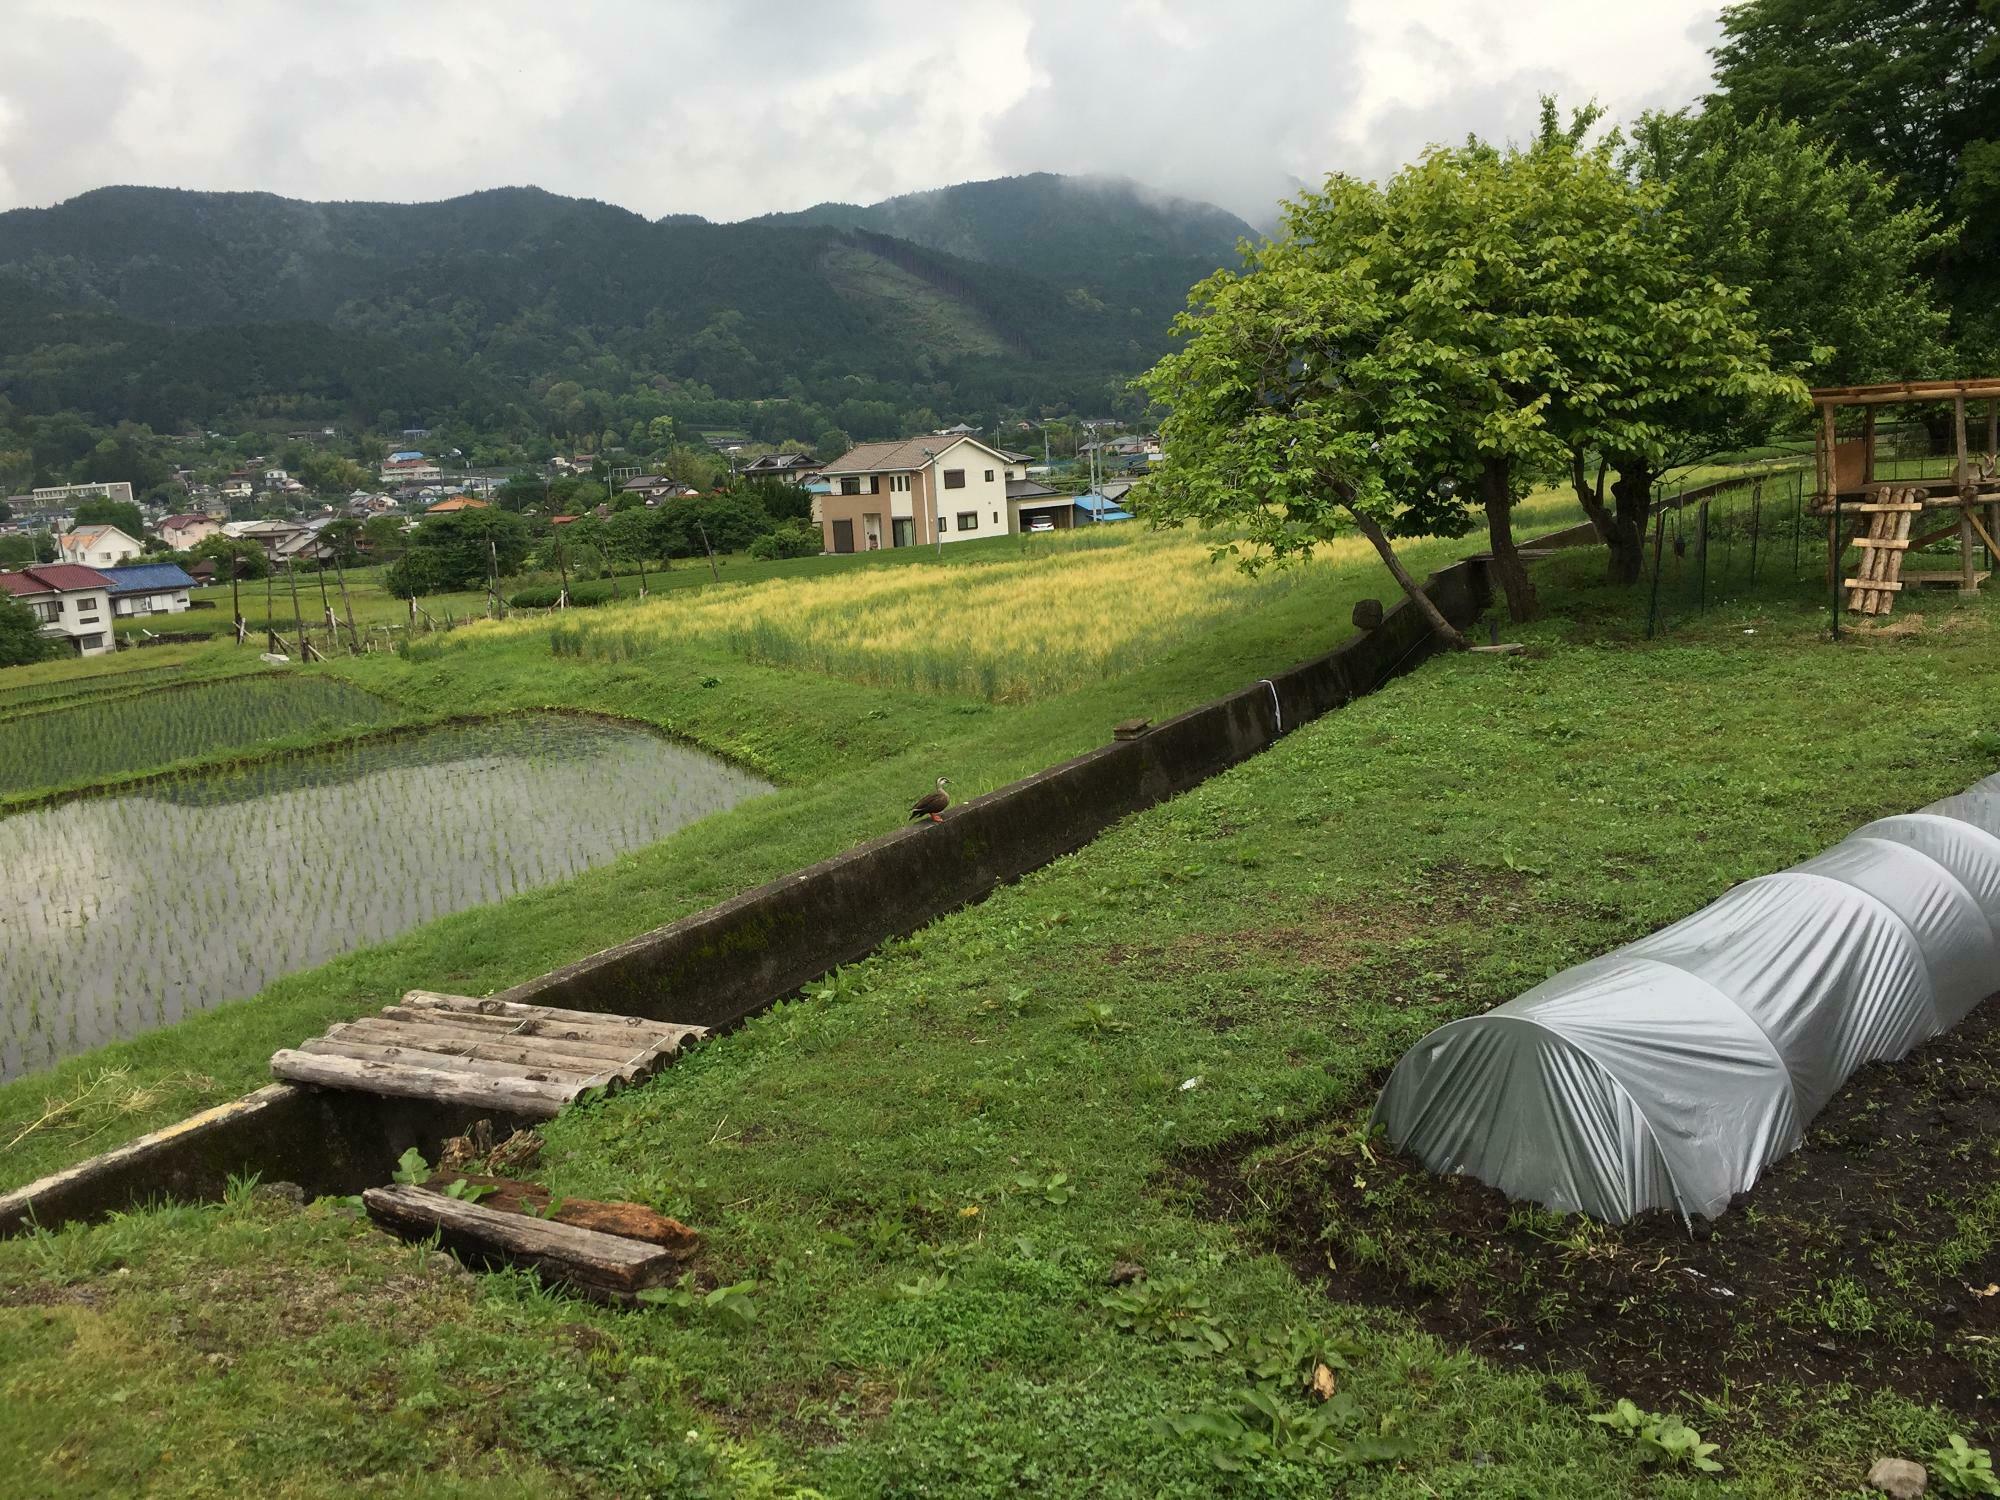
x: 121, y: 913
x: 112, y: 735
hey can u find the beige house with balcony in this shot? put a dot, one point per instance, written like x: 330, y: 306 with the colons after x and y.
x: 915, y: 492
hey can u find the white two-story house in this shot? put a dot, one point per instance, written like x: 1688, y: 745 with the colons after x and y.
x: 914, y: 493
x: 98, y: 546
x: 72, y: 603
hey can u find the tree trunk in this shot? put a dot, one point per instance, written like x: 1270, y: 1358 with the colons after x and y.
x: 1633, y: 493
x: 1440, y: 626
x: 1496, y: 492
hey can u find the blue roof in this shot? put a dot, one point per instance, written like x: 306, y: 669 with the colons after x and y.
x: 147, y: 578
x: 1095, y: 505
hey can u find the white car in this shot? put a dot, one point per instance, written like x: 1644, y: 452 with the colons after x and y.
x: 1041, y: 523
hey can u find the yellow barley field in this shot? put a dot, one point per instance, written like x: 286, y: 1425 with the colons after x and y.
x: 1007, y: 631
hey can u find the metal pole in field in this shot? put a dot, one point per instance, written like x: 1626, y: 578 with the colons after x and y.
x: 1799, y: 515
x: 1833, y: 566
x: 1702, y: 546
x: 1756, y: 505
x: 1659, y: 547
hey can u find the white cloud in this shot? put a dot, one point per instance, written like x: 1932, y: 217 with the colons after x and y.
x: 729, y: 110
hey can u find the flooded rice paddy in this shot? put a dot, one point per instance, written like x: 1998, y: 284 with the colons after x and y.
x: 105, y: 735
x: 121, y: 913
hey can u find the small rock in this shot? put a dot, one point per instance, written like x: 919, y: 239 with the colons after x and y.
x: 1899, y: 1478
x: 1367, y: 614
x: 280, y: 1192
x: 1125, y: 1272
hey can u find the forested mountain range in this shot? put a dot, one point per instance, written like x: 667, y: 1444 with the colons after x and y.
x: 171, y: 307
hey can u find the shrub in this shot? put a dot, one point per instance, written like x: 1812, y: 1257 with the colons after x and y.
x: 792, y: 539
x: 544, y: 595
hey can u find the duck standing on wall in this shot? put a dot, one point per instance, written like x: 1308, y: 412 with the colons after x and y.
x: 932, y: 803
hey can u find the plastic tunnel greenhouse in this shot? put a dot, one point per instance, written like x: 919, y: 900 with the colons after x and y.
x: 1669, y: 1073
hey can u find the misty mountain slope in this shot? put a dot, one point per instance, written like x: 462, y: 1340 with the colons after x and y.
x: 115, y: 302
x: 1102, y: 233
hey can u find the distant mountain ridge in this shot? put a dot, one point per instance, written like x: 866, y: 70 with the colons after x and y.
x: 162, y: 304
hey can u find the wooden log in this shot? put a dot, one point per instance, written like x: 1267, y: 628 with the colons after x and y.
x: 528, y: 1053
x: 555, y: 1031
x: 1857, y: 583
x: 604, y: 1266
x: 447, y: 1038
x: 467, y: 1005
x: 527, y: 1070
x: 516, y: 1097
x: 631, y: 1221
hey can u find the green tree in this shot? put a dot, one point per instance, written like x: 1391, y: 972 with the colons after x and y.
x: 383, y: 536
x: 17, y: 552
x: 1834, y: 267
x: 1911, y: 87
x: 233, y: 556
x: 124, y: 514
x: 457, y: 550
x: 831, y: 444
x: 21, y: 638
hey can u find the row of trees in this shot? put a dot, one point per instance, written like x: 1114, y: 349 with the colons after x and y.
x: 1407, y: 358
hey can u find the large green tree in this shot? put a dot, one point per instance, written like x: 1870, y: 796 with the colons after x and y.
x: 1398, y: 353
x: 458, y: 550
x: 124, y: 514
x: 1835, y: 267
x: 1911, y: 87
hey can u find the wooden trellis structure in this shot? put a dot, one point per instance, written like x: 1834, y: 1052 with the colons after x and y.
x: 1885, y: 518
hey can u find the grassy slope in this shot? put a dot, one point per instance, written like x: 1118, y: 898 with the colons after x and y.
x: 847, y: 757
x: 882, y: 1157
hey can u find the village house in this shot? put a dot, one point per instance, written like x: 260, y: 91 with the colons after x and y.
x: 148, y: 589
x: 787, y: 466
x: 410, y: 469
x: 281, y: 540
x: 73, y: 603
x: 183, y: 531
x: 455, y: 503
x: 913, y: 492
x: 94, y: 546
x: 653, y: 488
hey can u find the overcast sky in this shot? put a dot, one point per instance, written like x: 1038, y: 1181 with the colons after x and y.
x: 729, y: 110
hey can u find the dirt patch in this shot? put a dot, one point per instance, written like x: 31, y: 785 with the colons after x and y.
x: 1338, y: 935
x: 1869, y: 1258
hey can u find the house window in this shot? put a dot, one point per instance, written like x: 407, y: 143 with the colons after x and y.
x: 989, y: 476
x: 49, y: 611
x: 850, y: 484
x: 968, y: 520
x: 954, y: 479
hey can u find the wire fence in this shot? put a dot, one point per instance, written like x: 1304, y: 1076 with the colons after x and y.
x: 1715, y: 544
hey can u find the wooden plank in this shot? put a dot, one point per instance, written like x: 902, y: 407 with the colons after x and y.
x: 445, y: 1062
x: 528, y: 1053
x: 1870, y: 583
x: 1938, y: 579
x: 447, y: 1038
x: 535, y: 1101
x: 605, y: 1266
x: 616, y: 1043
x: 1870, y: 507
x: 1894, y: 543
x: 1980, y: 527
x: 468, y: 1005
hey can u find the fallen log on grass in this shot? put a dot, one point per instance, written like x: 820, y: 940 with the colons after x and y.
x: 605, y: 1267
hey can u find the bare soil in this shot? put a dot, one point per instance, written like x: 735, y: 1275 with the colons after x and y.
x: 1870, y: 1257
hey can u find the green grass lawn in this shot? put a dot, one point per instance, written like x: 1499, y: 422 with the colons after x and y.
x: 929, y: 1166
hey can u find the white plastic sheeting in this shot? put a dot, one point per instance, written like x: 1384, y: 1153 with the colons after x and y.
x: 1669, y: 1073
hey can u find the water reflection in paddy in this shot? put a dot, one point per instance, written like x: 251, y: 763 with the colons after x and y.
x: 122, y: 913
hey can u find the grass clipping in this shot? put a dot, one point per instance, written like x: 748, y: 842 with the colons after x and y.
x: 103, y: 1098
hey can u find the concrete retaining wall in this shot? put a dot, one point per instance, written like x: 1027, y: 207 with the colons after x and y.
x: 718, y: 966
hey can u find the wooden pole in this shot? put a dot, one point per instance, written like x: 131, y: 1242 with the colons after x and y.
x: 1829, y: 496
x: 346, y: 603
x: 236, y: 598
x: 1968, y: 581
x: 298, y: 615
